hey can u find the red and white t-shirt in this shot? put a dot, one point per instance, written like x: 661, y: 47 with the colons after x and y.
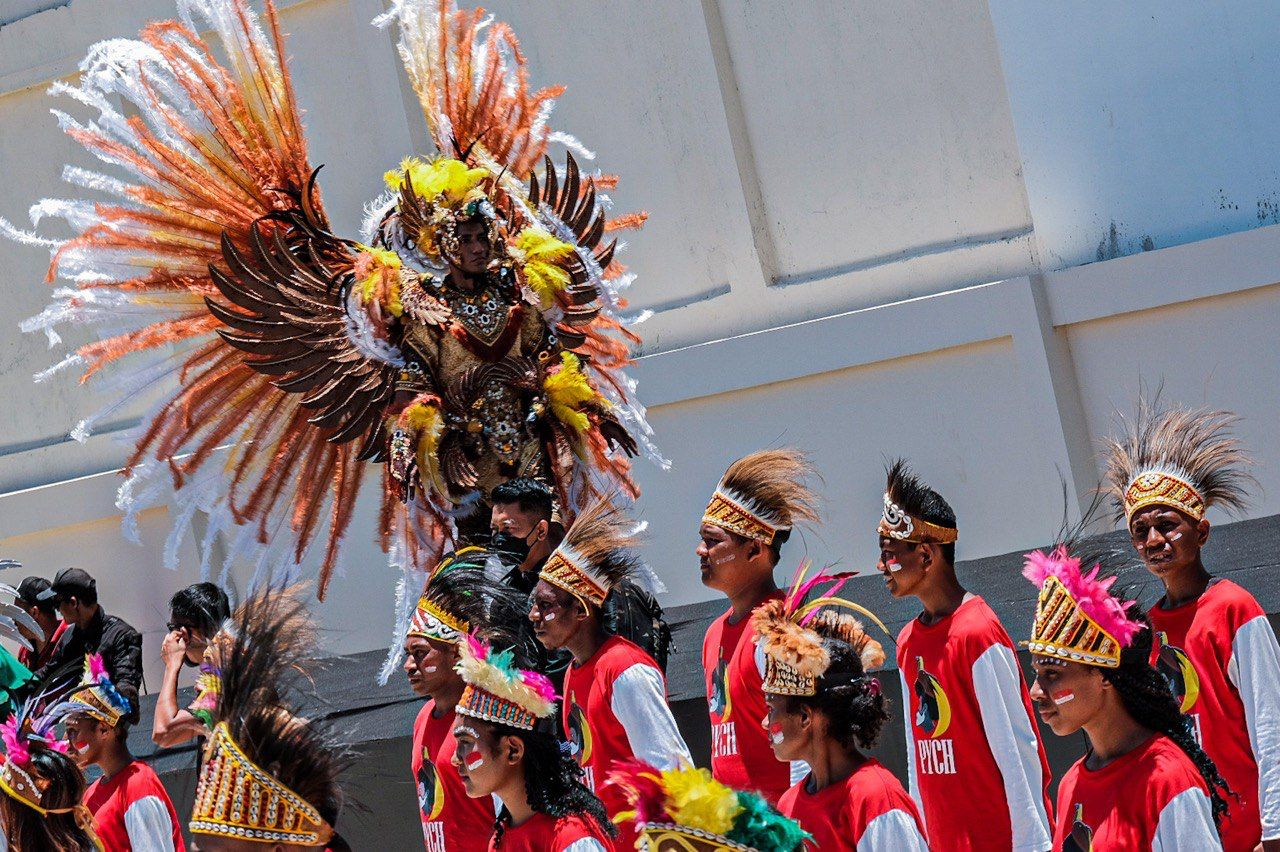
x: 741, y: 755
x: 615, y: 708
x: 976, y: 765
x: 452, y: 821
x: 867, y: 811
x: 543, y: 833
x: 1151, y: 798
x: 1223, y: 662
x: 132, y: 811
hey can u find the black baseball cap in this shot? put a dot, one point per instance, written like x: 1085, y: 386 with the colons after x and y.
x: 69, y: 583
x: 29, y: 590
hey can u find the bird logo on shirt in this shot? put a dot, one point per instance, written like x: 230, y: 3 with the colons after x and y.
x: 579, y: 734
x: 430, y: 790
x: 1176, y: 667
x: 1081, y: 837
x: 934, y: 715
x: 720, y: 702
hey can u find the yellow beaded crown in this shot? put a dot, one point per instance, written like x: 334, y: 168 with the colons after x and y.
x: 237, y: 798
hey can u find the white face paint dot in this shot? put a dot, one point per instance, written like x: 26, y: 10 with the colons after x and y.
x: 551, y: 616
x: 894, y: 567
x: 430, y: 670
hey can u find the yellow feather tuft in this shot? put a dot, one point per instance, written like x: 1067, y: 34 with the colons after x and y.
x: 541, y: 254
x: 377, y: 272
x: 444, y: 180
x: 697, y: 800
x: 567, y: 390
x: 428, y: 424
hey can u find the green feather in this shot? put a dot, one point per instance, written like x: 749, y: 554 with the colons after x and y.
x: 761, y: 827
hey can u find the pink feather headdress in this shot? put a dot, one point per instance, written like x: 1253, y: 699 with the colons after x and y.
x: 1078, y: 618
x: 498, y: 691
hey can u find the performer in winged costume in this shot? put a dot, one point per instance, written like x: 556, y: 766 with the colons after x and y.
x: 474, y: 334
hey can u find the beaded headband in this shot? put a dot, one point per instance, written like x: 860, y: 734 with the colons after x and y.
x: 897, y: 523
x: 237, y: 798
x: 730, y: 511
x: 497, y: 691
x: 97, y: 696
x: 566, y: 569
x: 430, y: 621
x: 1163, y: 488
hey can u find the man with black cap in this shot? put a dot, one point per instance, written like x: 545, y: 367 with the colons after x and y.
x: 91, y: 631
x: 46, y: 615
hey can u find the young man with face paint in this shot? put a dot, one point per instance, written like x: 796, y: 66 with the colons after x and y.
x: 507, y: 747
x: 459, y: 599
x: 759, y: 500
x: 1144, y: 782
x: 131, y: 809
x: 615, y: 695
x: 824, y: 709
x: 1220, y: 654
x: 975, y: 762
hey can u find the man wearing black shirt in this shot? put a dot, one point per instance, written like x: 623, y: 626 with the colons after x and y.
x: 90, y: 630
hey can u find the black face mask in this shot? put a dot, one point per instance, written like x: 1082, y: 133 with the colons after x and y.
x: 505, y: 542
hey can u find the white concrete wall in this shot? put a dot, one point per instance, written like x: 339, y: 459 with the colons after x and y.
x: 867, y: 228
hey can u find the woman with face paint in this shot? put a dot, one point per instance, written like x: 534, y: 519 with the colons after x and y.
x: 1144, y: 782
x: 1220, y: 655
x: 825, y: 709
x: 507, y: 746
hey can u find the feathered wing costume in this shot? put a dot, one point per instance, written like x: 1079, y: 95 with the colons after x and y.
x: 299, y: 356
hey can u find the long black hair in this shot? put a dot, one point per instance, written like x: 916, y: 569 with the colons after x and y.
x: 1145, y: 693
x: 553, y: 781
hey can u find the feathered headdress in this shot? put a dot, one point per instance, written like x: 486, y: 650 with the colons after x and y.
x: 689, y: 809
x: 763, y: 495
x: 595, y: 554
x: 97, y: 696
x: 906, y: 501
x: 16, y: 624
x: 498, y: 691
x: 792, y: 634
x: 269, y: 774
x: 23, y: 734
x: 462, y: 597
x: 1078, y: 618
x: 1184, y: 458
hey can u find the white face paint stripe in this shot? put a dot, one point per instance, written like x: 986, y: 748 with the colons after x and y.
x: 473, y: 760
x: 429, y: 670
x: 1063, y: 697
x: 720, y: 560
x: 551, y: 616
x: 1175, y: 536
x: 893, y: 566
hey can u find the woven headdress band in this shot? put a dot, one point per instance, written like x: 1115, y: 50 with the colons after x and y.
x: 497, y: 691
x: 430, y: 621
x: 237, y: 798
x: 1163, y: 488
x: 568, y: 570
x: 897, y: 523
x: 729, y: 511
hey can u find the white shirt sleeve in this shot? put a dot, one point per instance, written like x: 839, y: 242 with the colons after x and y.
x: 148, y: 825
x: 894, y: 830
x: 913, y: 784
x: 1254, y: 670
x: 640, y: 703
x: 1186, y: 825
x: 997, y: 683
x: 586, y: 844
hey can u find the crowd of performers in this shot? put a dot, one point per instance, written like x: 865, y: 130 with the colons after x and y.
x: 472, y: 346
x: 546, y: 728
